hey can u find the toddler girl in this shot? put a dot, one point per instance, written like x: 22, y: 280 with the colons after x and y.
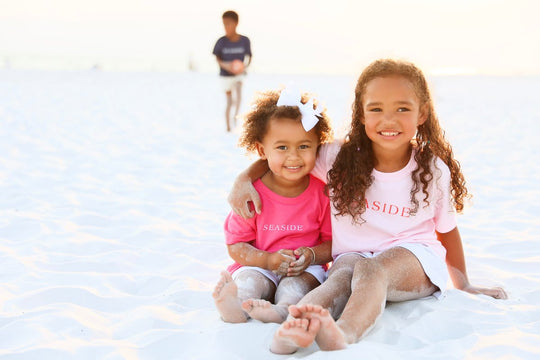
x: 280, y: 254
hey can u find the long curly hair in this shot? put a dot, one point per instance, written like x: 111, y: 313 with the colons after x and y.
x: 264, y: 108
x: 351, y: 174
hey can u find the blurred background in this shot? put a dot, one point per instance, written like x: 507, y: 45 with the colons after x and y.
x: 443, y: 37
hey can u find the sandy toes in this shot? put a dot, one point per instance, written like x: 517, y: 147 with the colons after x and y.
x: 226, y: 299
x: 264, y: 311
x: 330, y: 336
x: 293, y: 334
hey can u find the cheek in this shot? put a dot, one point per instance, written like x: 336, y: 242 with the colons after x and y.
x: 310, y: 156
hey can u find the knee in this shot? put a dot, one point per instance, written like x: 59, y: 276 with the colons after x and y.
x: 340, y: 277
x: 369, y: 269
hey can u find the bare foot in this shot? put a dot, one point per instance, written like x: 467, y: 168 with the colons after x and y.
x: 226, y: 299
x: 264, y: 311
x: 294, y: 334
x: 330, y: 336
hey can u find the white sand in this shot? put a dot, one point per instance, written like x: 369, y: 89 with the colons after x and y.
x: 113, y: 194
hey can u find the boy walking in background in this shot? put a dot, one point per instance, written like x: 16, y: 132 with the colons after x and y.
x: 233, y: 54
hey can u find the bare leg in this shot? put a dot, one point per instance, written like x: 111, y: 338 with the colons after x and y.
x: 394, y: 275
x: 335, y: 291
x: 238, y: 100
x: 289, y: 291
x: 332, y: 295
x: 228, y: 109
x: 228, y: 294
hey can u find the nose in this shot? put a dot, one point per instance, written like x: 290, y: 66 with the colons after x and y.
x: 293, y: 153
x: 388, y: 117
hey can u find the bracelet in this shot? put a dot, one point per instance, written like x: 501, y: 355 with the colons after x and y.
x: 313, y: 252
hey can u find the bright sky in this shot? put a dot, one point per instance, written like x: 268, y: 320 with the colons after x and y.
x: 288, y: 36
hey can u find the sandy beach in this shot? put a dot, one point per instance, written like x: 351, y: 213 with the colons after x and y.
x: 113, y: 196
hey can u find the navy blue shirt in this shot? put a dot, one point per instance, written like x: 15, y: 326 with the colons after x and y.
x: 228, y: 50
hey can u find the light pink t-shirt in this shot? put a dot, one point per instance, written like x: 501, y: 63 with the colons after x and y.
x: 284, y: 223
x: 388, y: 219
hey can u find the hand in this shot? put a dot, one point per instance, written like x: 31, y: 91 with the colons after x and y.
x: 304, y: 260
x: 279, y: 261
x: 495, y: 292
x: 242, y: 195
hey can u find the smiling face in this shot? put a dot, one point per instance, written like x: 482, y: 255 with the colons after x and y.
x: 392, y: 113
x: 290, y: 151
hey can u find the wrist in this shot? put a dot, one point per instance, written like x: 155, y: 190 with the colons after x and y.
x: 266, y: 260
x: 314, y: 257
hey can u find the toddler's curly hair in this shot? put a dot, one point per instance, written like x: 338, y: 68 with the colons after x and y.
x: 264, y: 109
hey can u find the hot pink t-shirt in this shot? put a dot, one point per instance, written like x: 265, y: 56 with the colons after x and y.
x: 284, y: 223
x: 388, y: 221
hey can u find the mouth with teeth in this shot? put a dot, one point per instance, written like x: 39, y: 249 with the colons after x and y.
x: 389, y: 133
x: 292, y: 167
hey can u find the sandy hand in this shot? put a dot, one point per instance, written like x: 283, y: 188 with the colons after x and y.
x: 279, y: 262
x: 495, y: 292
x: 244, y: 199
x: 304, y: 260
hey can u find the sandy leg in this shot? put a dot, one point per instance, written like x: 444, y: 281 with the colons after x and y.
x: 294, y: 334
x: 330, y: 336
x: 226, y: 299
x: 264, y: 311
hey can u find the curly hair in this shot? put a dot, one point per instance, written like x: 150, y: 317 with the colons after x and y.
x: 351, y: 174
x: 264, y: 109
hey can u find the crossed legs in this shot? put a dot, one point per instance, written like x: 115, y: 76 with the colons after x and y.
x: 251, y: 295
x: 229, y: 294
x: 289, y: 291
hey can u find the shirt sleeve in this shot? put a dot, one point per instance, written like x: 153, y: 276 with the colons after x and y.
x: 326, y: 225
x: 237, y: 229
x: 248, y: 47
x: 217, y: 49
x: 325, y: 159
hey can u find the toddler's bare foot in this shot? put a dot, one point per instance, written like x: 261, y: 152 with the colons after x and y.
x: 293, y: 334
x: 330, y: 336
x: 264, y: 311
x: 226, y: 299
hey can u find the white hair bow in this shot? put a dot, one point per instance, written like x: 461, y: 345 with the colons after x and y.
x: 291, y: 97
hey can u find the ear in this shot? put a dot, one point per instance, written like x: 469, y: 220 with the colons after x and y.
x: 260, y: 150
x: 423, y: 114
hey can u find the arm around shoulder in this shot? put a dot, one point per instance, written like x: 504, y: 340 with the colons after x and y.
x: 243, y: 192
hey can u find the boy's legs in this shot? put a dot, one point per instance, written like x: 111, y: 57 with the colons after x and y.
x: 238, y: 101
x: 233, y: 95
x: 229, y: 294
x: 228, y: 95
x: 289, y: 291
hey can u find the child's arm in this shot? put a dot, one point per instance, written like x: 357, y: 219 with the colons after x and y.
x: 455, y: 260
x: 248, y: 255
x: 243, y: 192
x: 322, y: 253
x: 225, y: 65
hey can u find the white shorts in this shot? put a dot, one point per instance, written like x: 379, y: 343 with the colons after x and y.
x: 316, y: 270
x: 434, y: 267
x: 229, y: 82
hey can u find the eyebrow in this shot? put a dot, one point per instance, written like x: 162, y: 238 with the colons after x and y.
x: 403, y: 102
x: 287, y: 142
